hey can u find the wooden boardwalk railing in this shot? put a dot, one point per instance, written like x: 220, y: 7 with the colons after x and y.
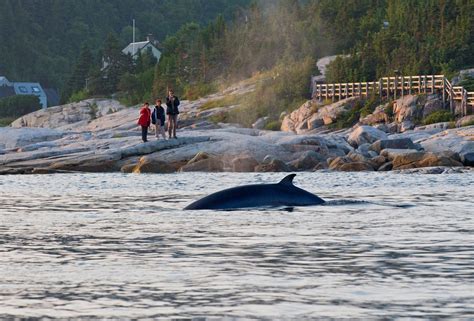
x: 398, y: 87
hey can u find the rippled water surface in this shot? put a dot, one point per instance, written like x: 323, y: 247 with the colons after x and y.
x: 113, y: 245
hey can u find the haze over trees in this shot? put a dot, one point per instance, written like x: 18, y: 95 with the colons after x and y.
x: 209, y: 43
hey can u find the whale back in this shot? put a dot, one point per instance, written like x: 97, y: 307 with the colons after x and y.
x: 283, y: 193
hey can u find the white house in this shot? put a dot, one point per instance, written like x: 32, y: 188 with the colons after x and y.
x: 23, y: 88
x: 141, y: 47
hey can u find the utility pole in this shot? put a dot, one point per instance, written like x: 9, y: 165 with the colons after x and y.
x: 133, y: 38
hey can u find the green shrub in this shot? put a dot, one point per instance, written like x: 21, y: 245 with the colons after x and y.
x: 370, y: 104
x: 198, y: 90
x: 273, y: 125
x: 226, y: 101
x: 438, y: 117
x: 78, y: 96
x: 222, y: 117
x: 467, y: 83
x: 17, y: 106
x: 4, y: 122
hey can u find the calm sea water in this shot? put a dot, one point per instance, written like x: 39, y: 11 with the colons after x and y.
x: 120, y: 246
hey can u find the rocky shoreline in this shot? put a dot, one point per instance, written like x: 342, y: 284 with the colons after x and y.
x: 100, y: 135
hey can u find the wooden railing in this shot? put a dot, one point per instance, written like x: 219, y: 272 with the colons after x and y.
x: 398, y: 87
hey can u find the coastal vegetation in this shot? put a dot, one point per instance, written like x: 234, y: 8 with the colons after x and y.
x: 15, y: 106
x: 211, y: 45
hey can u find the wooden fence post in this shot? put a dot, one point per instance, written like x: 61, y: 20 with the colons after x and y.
x: 403, y: 86
x: 380, y: 88
x: 444, y: 92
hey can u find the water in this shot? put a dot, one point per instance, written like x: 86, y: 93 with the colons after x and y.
x: 113, y: 245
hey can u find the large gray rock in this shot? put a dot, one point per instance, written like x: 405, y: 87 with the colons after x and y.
x: 397, y: 143
x: 365, y: 134
x: 407, y: 109
x: 55, y: 117
x: 390, y: 154
x: 468, y: 159
x: 244, y: 164
x: 18, y: 137
x: 307, y: 161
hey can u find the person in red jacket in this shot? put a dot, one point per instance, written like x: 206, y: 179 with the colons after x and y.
x: 144, y: 120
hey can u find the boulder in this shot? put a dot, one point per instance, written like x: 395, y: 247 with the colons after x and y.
x: 431, y: 106
x: 365, y: 134
x: 347, y: 165
x: 465, y: 121
x: 377, y: 117
x: 356, y: 157
x: 244, y: 164
x: 212, y: 164
x: 407, y: 159
x: 356, y: 167
x: 274, y: 165
x: 422, y: 159
x: 364, y: 150
x: 377, y: 161
x: 431, y: 160
x: 307, y: 161
x: 128, y: 168
x: 406, y: 109
x: 199, y: 156
x: 18, y: 137
x: 151, y: 165
x: 386, y: 167
x: 260, y: 123
x: 314, y: 122
x: 390, y: 154
x: 406, y: 125
x: 397, y: 143
x: 468, y: 159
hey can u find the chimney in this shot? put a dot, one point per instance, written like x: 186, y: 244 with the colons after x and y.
x: 150, y: 38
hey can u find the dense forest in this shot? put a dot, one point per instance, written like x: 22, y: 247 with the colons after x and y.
x: 41, y: 40
x: 209, y: 43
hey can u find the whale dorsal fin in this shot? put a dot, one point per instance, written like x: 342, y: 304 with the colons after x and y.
x: 288, y: 180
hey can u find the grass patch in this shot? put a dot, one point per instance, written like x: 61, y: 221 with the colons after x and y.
x: 226, y: 101
x: 467, y: 83
x: 273, y: 125
x: 198, y: 90
x: 6, y: 121
x: 438, y: 116
x: 469, y: 123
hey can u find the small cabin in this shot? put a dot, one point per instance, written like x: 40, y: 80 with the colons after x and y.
x: 8, y: 89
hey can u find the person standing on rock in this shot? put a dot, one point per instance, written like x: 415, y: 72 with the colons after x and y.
x: 158, y: 118
x: 144, y: 120
x: 172, y: 103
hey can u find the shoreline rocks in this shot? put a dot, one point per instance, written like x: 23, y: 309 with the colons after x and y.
x: 111, y: 143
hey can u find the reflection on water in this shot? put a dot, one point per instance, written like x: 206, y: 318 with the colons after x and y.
x: 112, y: 245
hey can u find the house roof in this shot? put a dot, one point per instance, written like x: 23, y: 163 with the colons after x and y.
x: 28, y: 88
x: 4, y: 81
x: 134, y: 47
x: 6, y: 91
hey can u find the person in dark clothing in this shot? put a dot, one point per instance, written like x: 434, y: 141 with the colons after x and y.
x: 144, y: 120
x: 172, y: 103
x: 158, y: 118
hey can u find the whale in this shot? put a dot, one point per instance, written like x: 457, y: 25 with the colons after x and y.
x: 282, y: 194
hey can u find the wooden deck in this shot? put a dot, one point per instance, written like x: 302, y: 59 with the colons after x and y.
x: 399, y: 86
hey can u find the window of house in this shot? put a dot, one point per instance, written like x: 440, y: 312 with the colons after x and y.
x: 35, y: 89
x: 23, y: 89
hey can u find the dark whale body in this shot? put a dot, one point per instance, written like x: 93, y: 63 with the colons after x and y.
x: 283, y: 193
